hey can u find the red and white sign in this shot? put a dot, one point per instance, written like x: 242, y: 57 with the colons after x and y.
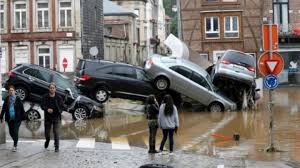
x: 65, y: 63
x: 266, y: 37
x: 270, y: 66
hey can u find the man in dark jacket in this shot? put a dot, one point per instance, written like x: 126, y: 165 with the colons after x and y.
x: 14, y: 114
x: 52, y: 105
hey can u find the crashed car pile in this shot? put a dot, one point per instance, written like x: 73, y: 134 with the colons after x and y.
x: 228, y: 85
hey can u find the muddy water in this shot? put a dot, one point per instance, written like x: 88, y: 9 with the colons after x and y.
x: 200, y: 132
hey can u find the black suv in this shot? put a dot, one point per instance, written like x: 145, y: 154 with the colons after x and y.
x: 102, y: 79
x: 32, y: 81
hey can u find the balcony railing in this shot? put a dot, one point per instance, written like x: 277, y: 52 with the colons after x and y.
x: 289, y: 29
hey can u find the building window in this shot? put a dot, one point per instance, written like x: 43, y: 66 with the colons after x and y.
x: 212, y: 30
x: 231, y: 27
x: 43, y: 14
x: 20, y: 15
x: 137, y: 12
x: 281, y: 14
x: 44, y: 57
x: 1, y: 16
x: 65, y: 14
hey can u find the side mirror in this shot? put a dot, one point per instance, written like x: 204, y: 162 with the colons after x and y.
x: 69, y: 92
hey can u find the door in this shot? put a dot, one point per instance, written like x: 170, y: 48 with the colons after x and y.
x: 21, y: 55
x: 66, y: 55
x: 181, y: 80
x: 143, y: 84
x: 202, y: 91
x: 38, y: 81
x: 126, y: 77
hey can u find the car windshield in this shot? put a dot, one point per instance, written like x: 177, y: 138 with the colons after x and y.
x: 64, y: 82
x: 239, y: 58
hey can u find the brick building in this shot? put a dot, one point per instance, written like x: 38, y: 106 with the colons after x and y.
x: 212, y: 26
x: 44, y: 32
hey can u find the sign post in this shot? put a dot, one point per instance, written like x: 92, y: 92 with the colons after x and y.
x: 270, y: 65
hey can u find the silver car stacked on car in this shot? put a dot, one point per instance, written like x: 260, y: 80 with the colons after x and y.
x: 188, y: 79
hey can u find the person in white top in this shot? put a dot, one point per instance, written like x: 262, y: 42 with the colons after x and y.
x: 168, y: 121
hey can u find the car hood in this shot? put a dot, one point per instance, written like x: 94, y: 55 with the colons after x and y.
x: 178, y: 48
x: 84, y: 99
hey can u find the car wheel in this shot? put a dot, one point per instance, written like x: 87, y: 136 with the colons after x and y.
x: 33, y: 115
x: 21, y: 92
x: 101, y: 94
x: 80, y: 113
x: 215, y: 107
x: 161, y: 83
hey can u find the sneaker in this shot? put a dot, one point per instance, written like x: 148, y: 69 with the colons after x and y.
x: 14, y: 149
x: 171, y: 153
x: 56, y: 150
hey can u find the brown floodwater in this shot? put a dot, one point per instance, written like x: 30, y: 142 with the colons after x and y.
x: 200, y: 132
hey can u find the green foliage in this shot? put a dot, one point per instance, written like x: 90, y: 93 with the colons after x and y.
x: 168, y: 4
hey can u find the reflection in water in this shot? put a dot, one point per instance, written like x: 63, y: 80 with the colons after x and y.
x: 203, y: 132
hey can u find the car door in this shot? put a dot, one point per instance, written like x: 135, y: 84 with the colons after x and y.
x: 39, y: 81
x: 181, y: 80
x: 202, y: 90
x: 126, y: 77
x: 143, y: 84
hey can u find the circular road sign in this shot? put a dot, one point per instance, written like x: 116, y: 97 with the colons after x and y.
x: 94, y: 51
x: 271, y: 82
x: 270, y: 66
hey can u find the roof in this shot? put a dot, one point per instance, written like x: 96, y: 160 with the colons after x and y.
x: 112, y: 9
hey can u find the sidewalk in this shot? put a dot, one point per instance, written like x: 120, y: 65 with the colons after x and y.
x: 31, y: 154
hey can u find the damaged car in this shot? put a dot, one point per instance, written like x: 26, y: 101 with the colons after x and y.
x: 234, y: 75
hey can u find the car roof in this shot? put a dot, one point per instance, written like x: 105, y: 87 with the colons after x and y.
x: 40, y: 67
x: 173, y: 61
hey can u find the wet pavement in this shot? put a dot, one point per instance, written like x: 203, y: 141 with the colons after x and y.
x: 201, y: 133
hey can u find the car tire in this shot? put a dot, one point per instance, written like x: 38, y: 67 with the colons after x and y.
x: 215, y: 107
x: 161, y: 83
x: 21, y: 92
x: 80, y: 113
x: 101, y: 94
x: 33, y: 115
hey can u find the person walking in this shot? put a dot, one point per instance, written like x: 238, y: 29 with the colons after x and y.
x: 152, y: 115
x: 168, y: 121
x: 14, y: 112
x: 52, y: 106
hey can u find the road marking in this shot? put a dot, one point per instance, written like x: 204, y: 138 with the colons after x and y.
x: 22, y: 141
x: 86, y: 143
x: 220, y: 166
x: 120, y: 143
x: 220, y: 125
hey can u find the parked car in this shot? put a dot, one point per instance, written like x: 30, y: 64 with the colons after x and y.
x: 116, y: 80
x: 32, y: 81
x: 234, y: 74
x: 188, y: 79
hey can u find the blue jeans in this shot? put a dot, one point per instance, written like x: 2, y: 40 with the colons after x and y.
x: 166, y: 133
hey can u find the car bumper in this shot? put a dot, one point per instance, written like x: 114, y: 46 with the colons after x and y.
x: 98, y: 111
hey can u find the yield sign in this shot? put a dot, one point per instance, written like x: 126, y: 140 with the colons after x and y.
x: 271, y: 64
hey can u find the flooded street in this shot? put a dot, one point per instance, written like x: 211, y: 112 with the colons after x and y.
x: 199, y: 132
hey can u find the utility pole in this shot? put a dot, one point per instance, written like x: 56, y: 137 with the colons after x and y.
x: 179, y: 19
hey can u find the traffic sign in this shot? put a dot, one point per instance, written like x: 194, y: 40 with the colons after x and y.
x: 266, y: 37
x: 270, y: 66
x: 65, y: 63
x: 271, y: 81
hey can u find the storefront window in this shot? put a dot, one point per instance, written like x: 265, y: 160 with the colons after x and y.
x: 291, y: 71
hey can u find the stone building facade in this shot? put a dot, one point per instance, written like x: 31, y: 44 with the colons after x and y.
x: 45, y: 32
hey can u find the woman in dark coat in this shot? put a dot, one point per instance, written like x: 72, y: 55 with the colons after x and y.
x: 152, y: 114
x: 14, y: 112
